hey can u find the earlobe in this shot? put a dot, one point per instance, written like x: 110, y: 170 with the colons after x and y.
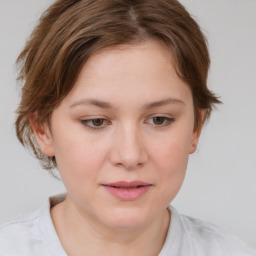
x: 43, y: 137
x: 196, y: 133
x: 193, y: 148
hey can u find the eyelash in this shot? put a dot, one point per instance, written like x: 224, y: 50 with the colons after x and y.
x: 86, y: 123
x: 167, y: 121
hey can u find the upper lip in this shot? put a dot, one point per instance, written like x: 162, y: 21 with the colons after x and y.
x: 126, y: 184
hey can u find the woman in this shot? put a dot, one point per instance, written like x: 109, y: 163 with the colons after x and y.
x: 115, y: 96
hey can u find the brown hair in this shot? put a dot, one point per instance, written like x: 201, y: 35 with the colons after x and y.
x: 70, y: 31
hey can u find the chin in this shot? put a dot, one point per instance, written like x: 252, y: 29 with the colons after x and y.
x: 126, y: 220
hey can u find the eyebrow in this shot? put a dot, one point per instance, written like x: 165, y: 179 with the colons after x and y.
x: 94, y: 102
x: 164, y: 102
x: 107, y: 105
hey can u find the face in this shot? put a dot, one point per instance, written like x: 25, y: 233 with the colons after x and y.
x: 123, y: 135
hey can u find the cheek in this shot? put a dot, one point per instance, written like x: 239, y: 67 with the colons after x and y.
x: 172, y: 172
x: 78, y: 156
x: 173, y: 166
x: 171, y: 158
x: 79, y: 168
x: 173, y: 151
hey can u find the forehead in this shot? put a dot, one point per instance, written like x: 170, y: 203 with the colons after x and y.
x: 144, y: 71
x: 131, y: 59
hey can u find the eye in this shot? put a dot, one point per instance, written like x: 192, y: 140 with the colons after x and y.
x: 161, y: 121
x: 96, y: 123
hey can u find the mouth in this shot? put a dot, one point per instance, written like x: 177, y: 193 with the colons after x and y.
x: 127, y: 191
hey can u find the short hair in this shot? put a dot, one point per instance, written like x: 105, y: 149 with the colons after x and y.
x: 71, y: 31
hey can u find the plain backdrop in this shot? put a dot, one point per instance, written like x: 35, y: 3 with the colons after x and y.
x: 220, y: 183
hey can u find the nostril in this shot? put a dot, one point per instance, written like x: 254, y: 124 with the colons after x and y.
x: 128, y: 151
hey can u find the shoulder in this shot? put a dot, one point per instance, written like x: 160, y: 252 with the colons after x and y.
x: 207, y: 238
x: 16, y: 235
x: 32, y: 234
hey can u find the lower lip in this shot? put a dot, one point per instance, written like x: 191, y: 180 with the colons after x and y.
x: 127, y: 194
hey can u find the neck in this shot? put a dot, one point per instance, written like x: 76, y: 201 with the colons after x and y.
x: 82, y: 234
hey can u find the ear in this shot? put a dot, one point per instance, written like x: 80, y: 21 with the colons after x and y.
x: 197, y: 132
x: 43, y: 137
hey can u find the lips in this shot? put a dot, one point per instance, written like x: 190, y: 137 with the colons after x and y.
x: 127, y: 191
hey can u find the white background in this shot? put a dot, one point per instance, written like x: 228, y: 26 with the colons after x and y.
x: 220, y: 183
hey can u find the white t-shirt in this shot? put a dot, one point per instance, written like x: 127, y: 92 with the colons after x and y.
x: 34, y: 235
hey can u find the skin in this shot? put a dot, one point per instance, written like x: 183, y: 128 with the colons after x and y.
x: 128, y: 144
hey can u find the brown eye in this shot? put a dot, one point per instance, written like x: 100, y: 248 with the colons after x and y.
x: 97, y: 122
x: 159, y: 120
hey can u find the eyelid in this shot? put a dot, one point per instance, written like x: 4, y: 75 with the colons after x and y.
x: 85, y: 122
x: 168, y: 120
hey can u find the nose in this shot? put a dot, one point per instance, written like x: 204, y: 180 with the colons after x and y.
x: 128, y: 148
